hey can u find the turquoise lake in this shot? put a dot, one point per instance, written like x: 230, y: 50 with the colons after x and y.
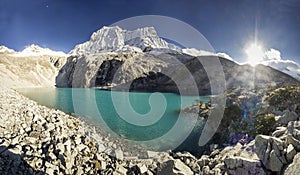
x: 133, y: 115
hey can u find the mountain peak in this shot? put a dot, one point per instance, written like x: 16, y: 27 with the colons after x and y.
x: 4, y: 49
x: 34, y: 49
x: 31, y: 50
x: 116, y: 39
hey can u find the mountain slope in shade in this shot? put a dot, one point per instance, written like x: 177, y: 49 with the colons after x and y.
x: 286, y: 66
x: 115, y: 39
x: 236, y: 76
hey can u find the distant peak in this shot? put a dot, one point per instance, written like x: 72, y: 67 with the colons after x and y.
x: 35, y: 50
x: 4, y: 49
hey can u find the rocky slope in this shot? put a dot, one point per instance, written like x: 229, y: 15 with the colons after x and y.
x: 236, y: 76
x: 32, y: 67
x: 99, y: 70
x: 148, y: 72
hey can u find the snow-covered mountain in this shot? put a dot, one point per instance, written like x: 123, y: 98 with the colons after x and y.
x: 35, y: 50
x: 4, y: 49
x: 32, y: 67
x: 115, y: 39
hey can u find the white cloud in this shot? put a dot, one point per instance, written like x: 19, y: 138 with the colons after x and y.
x: 195, y: 52
x: 224, y: 55
x: 273, y: 59
x: 272, y: 54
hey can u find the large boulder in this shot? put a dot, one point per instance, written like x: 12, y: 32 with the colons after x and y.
x: 287, y: 117
x: 240, y: 165
x: 174, y: 167
x: 270, y: 151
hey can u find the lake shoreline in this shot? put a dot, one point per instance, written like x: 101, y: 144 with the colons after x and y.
x: 39, y: 140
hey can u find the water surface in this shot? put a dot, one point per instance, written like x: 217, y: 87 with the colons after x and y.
x: 106, y: 108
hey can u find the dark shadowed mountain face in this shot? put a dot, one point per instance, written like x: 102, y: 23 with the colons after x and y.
x: 178, y: 73
x: 236, y: 76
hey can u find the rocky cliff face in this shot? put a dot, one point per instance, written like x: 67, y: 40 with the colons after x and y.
x: 104, y: 70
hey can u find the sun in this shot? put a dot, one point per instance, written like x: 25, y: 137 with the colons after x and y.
x: 255, y: 53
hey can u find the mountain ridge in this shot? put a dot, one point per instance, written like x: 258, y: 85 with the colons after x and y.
x: 115, y: 39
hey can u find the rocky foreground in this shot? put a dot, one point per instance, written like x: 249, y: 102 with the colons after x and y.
x: 38, y: 140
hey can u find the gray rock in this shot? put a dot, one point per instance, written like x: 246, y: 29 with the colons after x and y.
x: 270, y: 151
x: 294, y: 129
x: 278, y: 113
x: 206, y: 169
x: 275, y: 163
x: 119, y: 154
x: 293, y: 168
x: 291, y: 140
x: 174, y: 167
x: 60, y: 147
x: 67, y: 145
x: 121, y: 170
x: 181, y: 167
x: 50, y: 126
x: 101, y: 148
x: 142, y: 169
x: 233, y: 162
x: 290, y: 153
x: 279, y: 131
x: 204, y: 160
x: 240, y: 165
x: 152, y: 154
x: 287, y: 117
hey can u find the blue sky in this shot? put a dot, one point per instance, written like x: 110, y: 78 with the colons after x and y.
x: 228, y: 25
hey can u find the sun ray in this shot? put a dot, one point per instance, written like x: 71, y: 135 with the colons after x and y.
x: 255, y: 53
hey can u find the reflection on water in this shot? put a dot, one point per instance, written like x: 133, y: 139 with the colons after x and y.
x: 115, y: 110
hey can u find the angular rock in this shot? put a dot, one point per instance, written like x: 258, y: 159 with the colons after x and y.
x: 287, y: 117
x: 290, y: 153
x: 294, y: 129
x: 204, y: 160
x: 270, y: 151
x: 142, y: 169
x: 119, y: 154
x: 174, y: 167
x: 121, y: 170
x: 240, y: 165
x: 152, y: 154
x: 291, y: 140
x: 293, y: 168
x: 279, y: 131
